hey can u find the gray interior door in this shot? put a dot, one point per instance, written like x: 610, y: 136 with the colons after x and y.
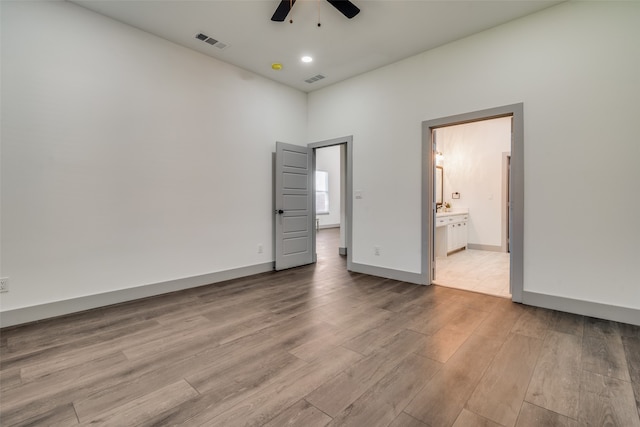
x: 293, y: 209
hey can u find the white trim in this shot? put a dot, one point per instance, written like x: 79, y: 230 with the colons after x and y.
x: 489, y: 248
x: 322, y: 227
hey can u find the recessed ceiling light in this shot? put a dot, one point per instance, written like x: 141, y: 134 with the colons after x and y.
x: 306, y: 59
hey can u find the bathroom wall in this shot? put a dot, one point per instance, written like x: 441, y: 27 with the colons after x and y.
x: 472, y: 165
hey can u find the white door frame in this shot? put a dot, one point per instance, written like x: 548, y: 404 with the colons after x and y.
x: 348, y: 142
x: 516, y: 187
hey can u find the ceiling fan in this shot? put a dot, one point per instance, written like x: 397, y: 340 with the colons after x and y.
x: 345, y: 7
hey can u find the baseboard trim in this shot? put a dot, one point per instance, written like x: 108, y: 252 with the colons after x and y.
x: 387, y: 273
x: 324, y: 226
x: 585, y: 308
x: 342, y: 251
x: 60, y: 308
x: 479, y: 247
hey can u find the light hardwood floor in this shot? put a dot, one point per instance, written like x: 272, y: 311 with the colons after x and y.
x: 317, y: 346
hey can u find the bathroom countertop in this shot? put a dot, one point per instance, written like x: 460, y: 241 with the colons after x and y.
x: 460, y: 212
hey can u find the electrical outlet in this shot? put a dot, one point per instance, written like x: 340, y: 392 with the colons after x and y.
x: 376, y: 250
x: 4, y: 284
x: 260, y: 249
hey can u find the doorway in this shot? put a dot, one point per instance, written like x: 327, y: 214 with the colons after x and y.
x: 516, y: 191
x: 294, y: 202
x: 470, y: 254
x: 334, y: 157
x: 329, y: 178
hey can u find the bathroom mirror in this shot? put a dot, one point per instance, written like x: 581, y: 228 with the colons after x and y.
x: 439, y: 173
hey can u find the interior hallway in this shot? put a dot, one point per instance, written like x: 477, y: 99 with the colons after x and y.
x: 316, y: 346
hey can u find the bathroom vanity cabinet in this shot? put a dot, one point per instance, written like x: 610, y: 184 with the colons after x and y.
x: 451, y: 232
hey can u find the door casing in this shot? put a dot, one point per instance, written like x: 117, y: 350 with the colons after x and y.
x: 516, y: 187
x: 348, y: 142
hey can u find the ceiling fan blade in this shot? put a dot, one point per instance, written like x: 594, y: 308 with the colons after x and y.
x: 283, y: 10
x: 347, y: 8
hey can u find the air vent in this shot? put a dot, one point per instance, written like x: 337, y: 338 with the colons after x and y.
x: 315, y: 78
x: 213, y: 42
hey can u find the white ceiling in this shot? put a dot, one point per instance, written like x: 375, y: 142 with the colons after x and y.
x: 382, y: 33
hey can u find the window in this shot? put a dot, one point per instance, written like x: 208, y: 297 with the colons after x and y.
x: 322, y: 192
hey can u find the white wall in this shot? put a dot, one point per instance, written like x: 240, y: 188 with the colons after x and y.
x: 472, y: 166
x: 328, y: 159
x: 575, y: 67
x: 128, y: 160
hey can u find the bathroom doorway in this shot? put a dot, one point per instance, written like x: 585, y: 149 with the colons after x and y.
x: 515, y: 216
x: 471, y: 224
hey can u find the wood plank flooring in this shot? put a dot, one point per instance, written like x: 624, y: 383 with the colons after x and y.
x: 319, y: 346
